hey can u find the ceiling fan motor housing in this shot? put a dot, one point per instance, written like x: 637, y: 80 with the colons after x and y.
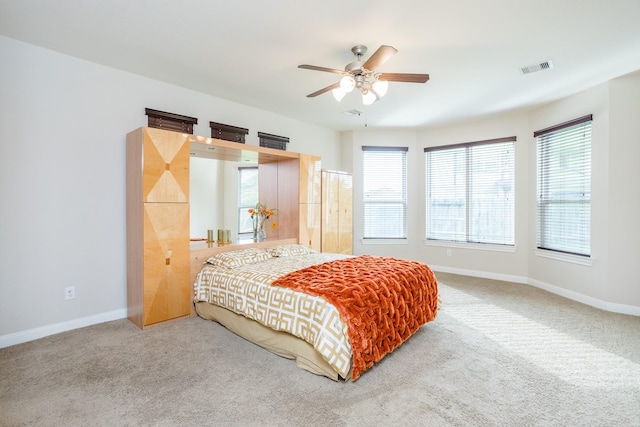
x: 355, y: 67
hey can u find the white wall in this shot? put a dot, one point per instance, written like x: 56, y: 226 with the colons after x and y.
x: 512, y: 265
x: 611, y: 282
x: 62, y: 186
x: 63, y: 123
x: 353, y: 142
x: 623, y: 280
x: 588, y: 280
x: 483, y: 259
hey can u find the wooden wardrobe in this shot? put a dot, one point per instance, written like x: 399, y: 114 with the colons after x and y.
x: 337, y: 212
x: 157, y: 226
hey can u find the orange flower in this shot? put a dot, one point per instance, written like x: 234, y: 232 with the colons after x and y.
x: 274, y: 224
x: 263, y: 211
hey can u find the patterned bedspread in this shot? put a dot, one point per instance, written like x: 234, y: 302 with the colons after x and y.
x: 246, y: 290
x: 382, y: 300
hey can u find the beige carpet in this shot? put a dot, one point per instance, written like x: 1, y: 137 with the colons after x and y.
x: 498, y: 354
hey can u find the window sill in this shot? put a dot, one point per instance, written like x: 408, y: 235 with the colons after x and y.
x: 575, y: 259
x: 473, y: 246
x: 384, y: 241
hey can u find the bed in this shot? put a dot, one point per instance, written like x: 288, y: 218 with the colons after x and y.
x: 336, y: 315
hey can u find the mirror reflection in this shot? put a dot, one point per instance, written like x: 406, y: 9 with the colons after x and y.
x: 221, y: 191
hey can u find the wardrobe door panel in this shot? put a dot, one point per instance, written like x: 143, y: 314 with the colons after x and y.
x: 166, y: 262
x: 165, y: 166
x: 345, y: 214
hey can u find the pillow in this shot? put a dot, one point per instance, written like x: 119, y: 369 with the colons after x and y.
x: 290, y: 250
x: 240, y: 257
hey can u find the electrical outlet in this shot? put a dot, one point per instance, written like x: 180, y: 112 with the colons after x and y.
x: 70, y: 293
x: 448, y: 252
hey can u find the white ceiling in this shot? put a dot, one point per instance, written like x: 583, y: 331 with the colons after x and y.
x: 248, y: 51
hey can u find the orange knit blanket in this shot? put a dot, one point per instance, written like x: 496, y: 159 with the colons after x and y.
x: 382, y: 300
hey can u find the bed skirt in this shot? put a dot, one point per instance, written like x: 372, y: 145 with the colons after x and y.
x: 277, y: 342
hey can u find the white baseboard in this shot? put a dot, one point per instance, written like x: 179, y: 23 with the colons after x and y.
x: 572, y: 295
x: 585, y: 299
x: 34, y: 334
x: 483, y: 274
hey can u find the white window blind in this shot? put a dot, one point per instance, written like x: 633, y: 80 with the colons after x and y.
x: 385, y: 192
x: 470, y: 192
x: 247, y: 197
x: 564, y: 187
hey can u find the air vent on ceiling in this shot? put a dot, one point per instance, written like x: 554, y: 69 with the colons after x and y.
x: 546, y: 65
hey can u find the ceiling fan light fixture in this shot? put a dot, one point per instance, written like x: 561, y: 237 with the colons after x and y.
x: 369, y: 97
x: 380, y: 87
x: 338, y: 93
x: 347, y: 83
x: 361, y: 75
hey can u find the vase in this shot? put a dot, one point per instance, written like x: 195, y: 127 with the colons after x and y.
x: 259, y: 232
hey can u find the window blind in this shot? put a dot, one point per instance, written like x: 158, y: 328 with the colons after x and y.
x: 564, y: 187
x: 470, y: 192
x: 170, y: 121
x: 228, y: 132
x: 273, y: 141
x: 385, y: 192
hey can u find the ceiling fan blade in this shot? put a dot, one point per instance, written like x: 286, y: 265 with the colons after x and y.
x: 404, y: 77
x: 326, y: 89
x: 316, y: 68
x: 379, y: 57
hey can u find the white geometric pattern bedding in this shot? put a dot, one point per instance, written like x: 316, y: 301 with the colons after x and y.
x: 246, y: 290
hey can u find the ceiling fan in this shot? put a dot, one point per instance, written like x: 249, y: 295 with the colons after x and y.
x: 362, y: 76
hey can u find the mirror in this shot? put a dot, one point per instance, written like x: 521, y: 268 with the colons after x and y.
x: 214, y: 185
x: 213, y: 188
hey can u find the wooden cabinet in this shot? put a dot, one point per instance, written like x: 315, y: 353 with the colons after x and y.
x: 158, y: 287
x: 294, y: 186
x: 337, y: 212
x: 310, y: 199
x: 278, y: 188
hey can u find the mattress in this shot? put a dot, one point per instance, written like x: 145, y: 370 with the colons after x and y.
x: 240, y: 281
x: 337, y: 315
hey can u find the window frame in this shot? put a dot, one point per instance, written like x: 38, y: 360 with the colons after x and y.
x: 544, y: 197
x: 402, y: 237
x: 471, y: 239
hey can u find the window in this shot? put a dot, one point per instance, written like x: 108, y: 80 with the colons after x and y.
x: 247, y: 197
x: 564, y: 187
x: 470, y: 192
x: 385, y: 192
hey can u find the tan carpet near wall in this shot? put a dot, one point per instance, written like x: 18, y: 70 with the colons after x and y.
x: 498, y: 354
